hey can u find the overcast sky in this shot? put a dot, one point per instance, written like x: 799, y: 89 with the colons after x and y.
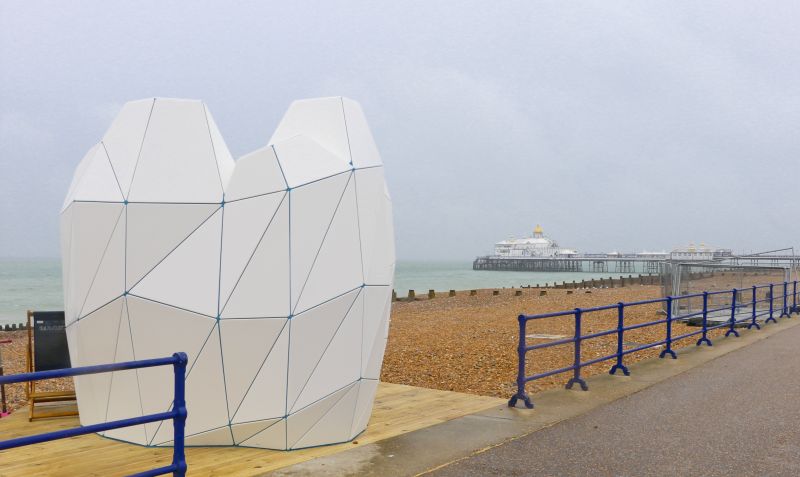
x: 616, y: 125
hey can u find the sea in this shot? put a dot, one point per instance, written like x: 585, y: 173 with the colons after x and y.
x: 35, y: 284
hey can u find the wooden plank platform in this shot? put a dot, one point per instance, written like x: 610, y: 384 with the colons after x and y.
x: 398, y: 409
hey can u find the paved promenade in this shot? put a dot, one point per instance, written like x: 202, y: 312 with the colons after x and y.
x: 736, y: 415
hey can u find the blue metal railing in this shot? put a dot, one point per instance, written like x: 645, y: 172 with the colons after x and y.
x: 177, y: 414
x: 744, y: 311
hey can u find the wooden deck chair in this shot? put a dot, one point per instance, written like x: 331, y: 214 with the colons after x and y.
x: 47, y: 349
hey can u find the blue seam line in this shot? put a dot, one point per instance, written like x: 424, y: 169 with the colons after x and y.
x: 252, y: 254
x: 114, y: 359
x: 276, y: 420
x: 188, y: 372
x: 213, y: 150
x: 141, y: 146
x: 87, y: 315
x: 100, y: 263
x: 344, y: 393
x: 322, y: 243
x: 255, y: 196
x: 289, y: 337
x: 278, y: 160
x: 170, y: 252
x: 355, y: 407
x: 346, y: 132
x: 346, y: 171
x: 173, y: 306
x: 108, y: 157
x: 234, y: 318
x: 255, y: 376
x: 138, y: 384
x: 333, y: 337
x: 327, y: 301
x: 358, y: 222
x: 219, y: 328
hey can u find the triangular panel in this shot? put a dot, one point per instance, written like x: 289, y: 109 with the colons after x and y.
x: 262, y: 290
x: 109, y: 281
x: 245, y: 224
x: 88, y: 159
x: 377, y: 306
x: 321, y: 119
x: 312, y: 209
x: 273, y: 437
x: 177, y: 162
x: 92, y: 227
x: 366, y: 398
x: 245, y: 345
x: 256, y: 173
x: 123, y: 141
x: 334, y: 426
x: 303, y: 161
x: 362, y: 147
x: 312, y: 331
x: 244, y: 431
x: 375, y: 225
x: 97, y: 182
x: 337, y: 267
x: 301, y: 422
x: 341, y: 361
x: 189, y: 276
x: 266, y: 396
x: 154, y: 230
x: 123, y: 400
x: 225, y: 162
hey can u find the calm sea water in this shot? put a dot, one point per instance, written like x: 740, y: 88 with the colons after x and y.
x: 36, y: 284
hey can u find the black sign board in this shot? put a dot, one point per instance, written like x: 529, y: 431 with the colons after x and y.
x: 50, y: 349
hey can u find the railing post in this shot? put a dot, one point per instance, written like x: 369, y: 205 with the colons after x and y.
x: 733, y: 316
x: 620, y: 330
x: 785, y: 309
x: 521, y: 394
x: 704, y: 338
x: 668, y: 349
x: 771, y: 304
x: 753, y: 322
x: 179, y: 422
x: 795, y: 308
x: 576, y: 365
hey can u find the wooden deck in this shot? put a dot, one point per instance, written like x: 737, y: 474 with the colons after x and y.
x: 398, y: 409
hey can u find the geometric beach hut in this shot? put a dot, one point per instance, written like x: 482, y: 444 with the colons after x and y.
x: 273, y: 273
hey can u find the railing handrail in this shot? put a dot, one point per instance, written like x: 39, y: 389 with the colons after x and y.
x: 178, y: 413
x: 745, y: 298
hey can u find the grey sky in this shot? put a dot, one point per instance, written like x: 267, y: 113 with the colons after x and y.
x: 616, y: 125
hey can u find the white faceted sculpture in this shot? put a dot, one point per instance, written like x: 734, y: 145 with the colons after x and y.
x: 273, y: 273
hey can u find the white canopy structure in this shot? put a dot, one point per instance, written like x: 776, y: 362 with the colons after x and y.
x: 273, y: 273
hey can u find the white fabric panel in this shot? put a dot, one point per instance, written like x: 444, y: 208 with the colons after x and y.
x: 189, y: 276
x: 205, y: 396
x: 377, y: 231
x: 266, y: 396
x: 123, y: 140
x: 303, y: 161
x: 154, y: 230
x: 245, y: 346
x: 177, y: 162
x: 110, y: 277
x: 225, y: 163
x: 99, y: 329
x: 301, y: 422
x: 320, y: 119
x: 312, y: 208
x: 273, y: 437
x: 97, y: 181
x: 335, y: 425
x: 363, y: 150
x: 262, y: 290
x: 244, y: 225
x: 337, y: 267
x: 242, y: 432
x: 78, y: 175
x: 367, y: 388
x: 256, y: 173
x: 373, y: 360
x: 311, y: 332
x: 154, y: 328
x: 341, y: 361
x: 123, y: 400
x: 377, y: 306
x: 92, y: 226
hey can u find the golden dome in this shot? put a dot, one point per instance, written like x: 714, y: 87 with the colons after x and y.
x: 538, y: 230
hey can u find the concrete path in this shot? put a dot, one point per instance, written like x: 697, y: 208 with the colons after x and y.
x: 736, y: 415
